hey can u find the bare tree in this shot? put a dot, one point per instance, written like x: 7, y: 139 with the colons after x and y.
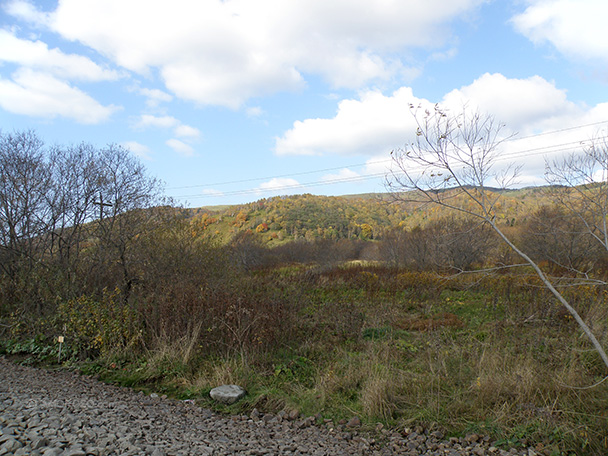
x: 557, y: 236
x: 455, y: 243
x: 24, y: 184
x: 451, y: 164
x: 247, y: 250
x: 55, y: 202
x: 71, y: 200
x: 580, y: 186
x: 124, y: 194
x: 463, y: 242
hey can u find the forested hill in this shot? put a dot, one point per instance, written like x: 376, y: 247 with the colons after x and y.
x: 366, y: 216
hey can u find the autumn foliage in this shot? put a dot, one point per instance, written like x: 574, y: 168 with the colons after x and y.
x: 397, y: 311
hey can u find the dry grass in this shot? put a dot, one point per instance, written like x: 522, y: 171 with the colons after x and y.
x: 441, y: 320
x: 496, y: 359
x: 379, y: 394
x: 228, y: 372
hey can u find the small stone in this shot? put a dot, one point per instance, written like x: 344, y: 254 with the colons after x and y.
x: 303, y: 424
x: 472, y: 438
x: 52, y: 452
x: 437, y: 435
x: 39, y: 442
x: 478, y: 451
x: 412, y: 445
x: 11, y: 445
x: 354, y: 422
x: 227, y: 394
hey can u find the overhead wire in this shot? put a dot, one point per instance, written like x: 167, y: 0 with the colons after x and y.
x: 253, y: 179
x: 550, y: 149
x: 291, y: 186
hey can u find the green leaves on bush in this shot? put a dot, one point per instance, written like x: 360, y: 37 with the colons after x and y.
x: 99, y: 326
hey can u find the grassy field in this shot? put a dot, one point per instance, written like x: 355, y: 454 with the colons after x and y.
x: 491, y: 354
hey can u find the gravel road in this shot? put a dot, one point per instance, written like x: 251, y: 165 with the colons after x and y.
x: 55, y: 413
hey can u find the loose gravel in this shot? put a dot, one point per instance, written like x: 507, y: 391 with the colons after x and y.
x: 59, y: 413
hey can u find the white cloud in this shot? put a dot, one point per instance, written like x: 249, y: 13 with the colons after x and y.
x: 380, y: 164
x: 150, y: 121
x: 343, y: 174
x: 212, y: 192
x: 232, y: 51
x: 40, y: 86
x: 374, y: 124
x: 254, y: 111
x: 138, y: 149
x: 39, y: 94
x: 180, y: 147
x: 522, y: 104
x: 147, y: 121
x: 280, y: 184
x: 448, y: 54
x: 546, y: 123
x: 37, y: 55
x: 155, y: 96
x: 576, y: 28
x: 27, y: 12
x: 186, y: 131
x: 369, y: 125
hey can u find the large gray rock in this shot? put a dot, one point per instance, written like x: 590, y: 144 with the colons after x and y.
x: 227, y: 394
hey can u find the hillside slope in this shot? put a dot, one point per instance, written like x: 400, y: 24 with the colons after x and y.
x: 366, y: 216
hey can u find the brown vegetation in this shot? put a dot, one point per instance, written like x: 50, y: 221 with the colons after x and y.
x: 440, y: 320
x: 397, y: 313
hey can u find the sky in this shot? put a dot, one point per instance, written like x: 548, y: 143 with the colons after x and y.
x: 231, y: 101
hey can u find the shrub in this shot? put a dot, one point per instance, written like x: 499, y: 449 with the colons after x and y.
x: 99, y: 326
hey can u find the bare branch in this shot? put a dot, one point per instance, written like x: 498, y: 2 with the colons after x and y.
x: 452, y: 161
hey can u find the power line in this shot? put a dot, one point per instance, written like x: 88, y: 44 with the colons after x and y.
x: 560, y: 130
x: 574, y: 145
x: 240, y: 181
x: 289, y: 186
x: 253, y: 179
x: 364, y: 177
x: 533, y: 151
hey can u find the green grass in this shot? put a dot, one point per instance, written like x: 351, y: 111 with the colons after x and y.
x: 402, y: 350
